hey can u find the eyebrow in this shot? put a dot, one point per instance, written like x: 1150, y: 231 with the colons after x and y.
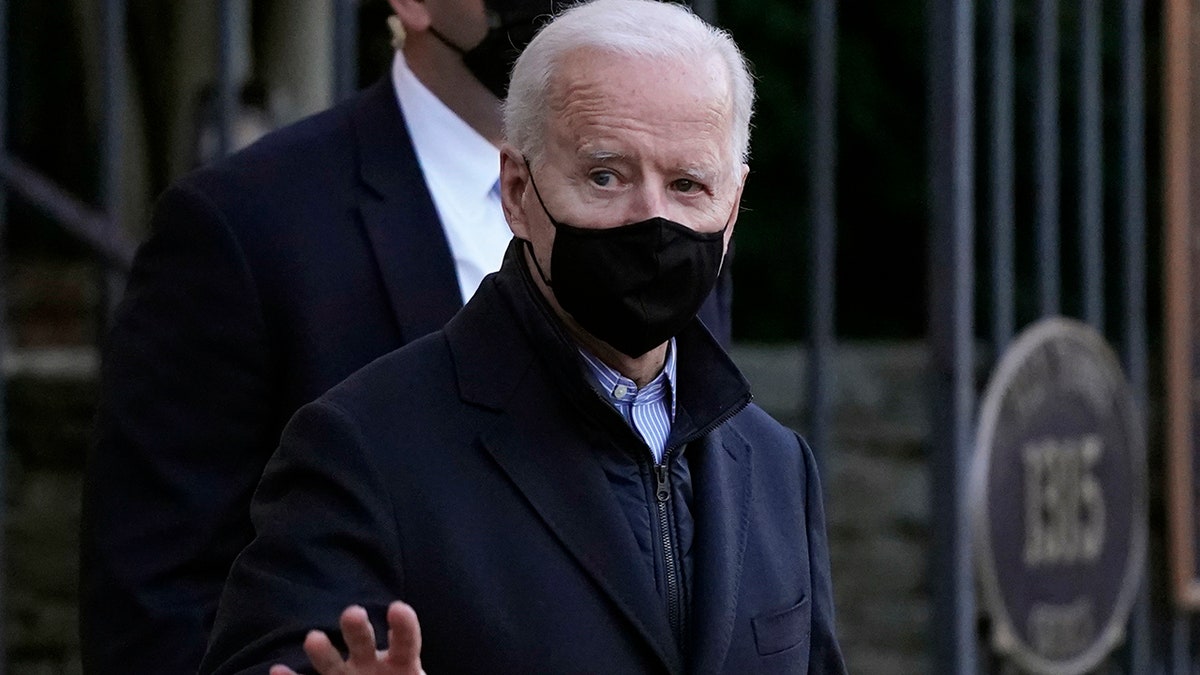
x: 604, y: 155
x: 700, y: 174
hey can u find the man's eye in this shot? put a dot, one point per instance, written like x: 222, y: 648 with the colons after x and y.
x: 602, y: 178
x: 686, y: 185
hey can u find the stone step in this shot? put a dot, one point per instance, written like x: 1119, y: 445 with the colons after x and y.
x: 50, y: 402
x: 74, y: 363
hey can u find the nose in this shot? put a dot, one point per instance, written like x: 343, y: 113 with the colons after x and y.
x: 650, y: 201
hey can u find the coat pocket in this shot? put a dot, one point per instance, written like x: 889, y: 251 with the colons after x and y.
x: 778, y: 631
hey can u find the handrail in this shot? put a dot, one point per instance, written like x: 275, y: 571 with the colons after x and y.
x: 87, y: 225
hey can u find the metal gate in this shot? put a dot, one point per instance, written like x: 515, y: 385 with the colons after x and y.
x: 968, y: 142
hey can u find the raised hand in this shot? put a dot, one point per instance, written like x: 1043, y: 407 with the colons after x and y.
x: 402, y: 656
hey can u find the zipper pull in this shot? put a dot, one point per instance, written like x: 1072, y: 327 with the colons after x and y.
x: 662, y: 474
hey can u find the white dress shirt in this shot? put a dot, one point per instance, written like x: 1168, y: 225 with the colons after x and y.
x: 462, y: 171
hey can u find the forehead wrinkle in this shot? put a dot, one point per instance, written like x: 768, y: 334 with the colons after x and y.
x: 588, y: 111
x: 602, y: 131
x: 596, y: 103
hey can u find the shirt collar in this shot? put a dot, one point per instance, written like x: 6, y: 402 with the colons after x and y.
x: 617, y: 388
x: 450, y: 151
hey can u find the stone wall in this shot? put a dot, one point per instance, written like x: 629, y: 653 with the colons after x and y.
x: 50, y: 401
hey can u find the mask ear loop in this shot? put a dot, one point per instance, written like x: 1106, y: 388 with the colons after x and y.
x: 446, y: 41
x: 494, y: 23
x: 545, y: 279
x: 528, y: 244
x: 538, y: 193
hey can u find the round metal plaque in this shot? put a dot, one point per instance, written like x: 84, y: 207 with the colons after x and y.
x: 1058, y: 491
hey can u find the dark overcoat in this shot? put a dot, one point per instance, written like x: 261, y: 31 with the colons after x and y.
x: 470, y: 474
x: 267, y: 279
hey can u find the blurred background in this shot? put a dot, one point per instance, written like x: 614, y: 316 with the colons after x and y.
x: 886, y: 132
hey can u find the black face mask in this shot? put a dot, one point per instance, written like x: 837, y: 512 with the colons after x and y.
x: 634, y: 286
x: 511, y: 27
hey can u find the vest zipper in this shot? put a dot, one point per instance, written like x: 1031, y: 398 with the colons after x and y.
x: 662, y: 493
x: 662, y: 498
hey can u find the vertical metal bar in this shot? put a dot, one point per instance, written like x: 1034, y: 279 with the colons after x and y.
x: 823, y: 248
x: 1181, y: 630
x: 952, y: 273
x: 1133, y: 217
x: 4, y: 99
x: 113, y: 106
x: 1178, y: 338
x: 226, y: 87
x: 1091, y: 143
x: 345, y: 48
x: 112, y: 44
x: 1002, y: 172
x: 1046, y: 156
x: 1133, y: 202
x: 5, y: 42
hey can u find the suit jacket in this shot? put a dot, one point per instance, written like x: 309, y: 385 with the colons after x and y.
x: 267, y: 279
x: 464, y: 474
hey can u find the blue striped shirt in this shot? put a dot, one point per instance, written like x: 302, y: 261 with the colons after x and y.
x: 649, y: 410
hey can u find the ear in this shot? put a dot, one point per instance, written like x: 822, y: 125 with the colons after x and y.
x: 413, y: 14
x: 514, y: 181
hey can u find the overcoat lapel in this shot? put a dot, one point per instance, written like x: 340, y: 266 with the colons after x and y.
x: 564, y: 483
x: 542, y: 444
x: 400, y: 219
x: 722, y: 474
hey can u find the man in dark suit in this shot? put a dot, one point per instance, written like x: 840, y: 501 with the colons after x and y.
x: 570, y: 476
x: 269, y: 278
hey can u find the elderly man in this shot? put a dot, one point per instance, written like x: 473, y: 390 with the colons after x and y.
x: 579, y: 482
x: 268, y: 278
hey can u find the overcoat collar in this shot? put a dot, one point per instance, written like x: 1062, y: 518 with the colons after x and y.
x: 513, y: 356
x: 519, y: 325
x: 401, y: 223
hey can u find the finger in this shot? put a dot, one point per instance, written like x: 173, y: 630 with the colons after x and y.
x: 359, y: 635
x: 280, y: 669
x: 404, y: 637
x: 322, y: 654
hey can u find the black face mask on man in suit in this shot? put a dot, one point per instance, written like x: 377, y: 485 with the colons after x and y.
x: 511, y: 27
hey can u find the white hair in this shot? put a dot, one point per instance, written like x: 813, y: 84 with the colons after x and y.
x: 641, y: 28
